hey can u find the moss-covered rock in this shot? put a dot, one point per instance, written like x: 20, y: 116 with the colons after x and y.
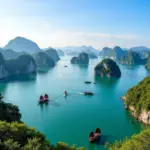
x: 107, y: 67
x: 83, y: 58
x: 137, y: 99
x: 43, y: 60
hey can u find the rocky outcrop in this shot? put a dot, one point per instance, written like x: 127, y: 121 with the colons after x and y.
x: 53, y: 54
x: 107, y: 67
x: 132, y: 58
x: 24, y: 64
x: 43, y: 60
x: 83, y: 58
x: 60, y: 52
x: 21, y: 44
x: 137, y: 100
x: 148, y: 62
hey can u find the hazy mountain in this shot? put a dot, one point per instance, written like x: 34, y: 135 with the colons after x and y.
x: 115, y: 53
x: 76, y: 50
x: 52, y: 53
x: 20, y: 44
x: 60, y: 52
x: 10, y: 54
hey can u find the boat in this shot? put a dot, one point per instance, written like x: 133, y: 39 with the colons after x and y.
x: 87, y: 82
x: 65, y: 93
x: 43, y: 99
x: 94, y: 137
x: 46, y: 97
x: 65, y: 66
x: 88, y: 93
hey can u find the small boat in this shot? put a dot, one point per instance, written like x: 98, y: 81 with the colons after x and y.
x: 93, y: 137
x: 46, y: 97
x: 65, y: 93
x: 65, y: 66
x: 87, y: 82
x: 43, y: 99
x: 88, y: 93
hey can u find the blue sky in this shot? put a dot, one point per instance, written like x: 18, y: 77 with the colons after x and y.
x: 59, y: 23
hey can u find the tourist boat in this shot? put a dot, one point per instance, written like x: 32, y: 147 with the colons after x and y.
x: 93, y: 137
x: 65, y: 93
x: 43, y: 99
x: 88, y: 93
x: 87, y: 82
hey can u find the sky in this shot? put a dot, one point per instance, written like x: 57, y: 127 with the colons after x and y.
x: 59, y: 23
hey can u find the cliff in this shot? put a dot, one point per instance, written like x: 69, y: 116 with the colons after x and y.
x: 24, y: 64
x: 107, y: 67
x: 53, y: 54
x: 83, y: 58
x: 137, y: 99
x: 43, y: 60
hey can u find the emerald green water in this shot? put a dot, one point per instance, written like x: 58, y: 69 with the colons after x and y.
x: 71, y: 119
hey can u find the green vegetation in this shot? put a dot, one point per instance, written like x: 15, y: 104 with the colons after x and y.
x: 15, y: 135
x: 148, y: 62
x: 139, y: 96
x: 107, y: 67
x: 83, y: 58
x: 132, y: 58
x: 43, y: 60
x: 21, y: 65
x: 139, y: 141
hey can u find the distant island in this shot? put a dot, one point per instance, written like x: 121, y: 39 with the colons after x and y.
x: 21, y: 44
x: 137, y: 99
x: 107, y: 67
x: 83, y: 58
x: 132, y: 58
x: 24, y: 64
x: 43, y: 60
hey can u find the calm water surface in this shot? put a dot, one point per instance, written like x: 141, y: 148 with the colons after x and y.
x: 71, y: 119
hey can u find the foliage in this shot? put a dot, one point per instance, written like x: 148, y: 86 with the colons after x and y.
x: 108, y: 67
x: 139, y: 141
x: 139, y: 96
x: 9, y: 112
x: 132, y: 58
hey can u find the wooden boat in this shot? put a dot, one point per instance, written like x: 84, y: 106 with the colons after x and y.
x: 88, y: 93
x: 94, y: 137
x: 43, y: 99
x: 87, y: 82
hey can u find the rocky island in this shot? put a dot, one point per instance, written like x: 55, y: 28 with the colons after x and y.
x: 24, y: 64
x: 83, y: 58
x: 43, y: 60
x: 53, y: 54
x: 108, y: 68
x: 137, y: 99
x: 148, y: 62
x: 132, y: 58
x: 21, y: 44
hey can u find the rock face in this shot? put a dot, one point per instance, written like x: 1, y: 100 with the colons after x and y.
x: 116, y: 53
x: 92, y: 56
x: 20, y: 44
x: 148, y: 62
x: 43, y: 60
x: 60, y: 52
x: 107, y: 67
x: 137, y: 99
x: 53, y: 54
x: 10, y: 54
x: 132, y: 58
x: 83, y: 58
x: 24, y: 64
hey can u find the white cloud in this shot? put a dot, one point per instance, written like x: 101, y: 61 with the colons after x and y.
x: 46, y: 34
